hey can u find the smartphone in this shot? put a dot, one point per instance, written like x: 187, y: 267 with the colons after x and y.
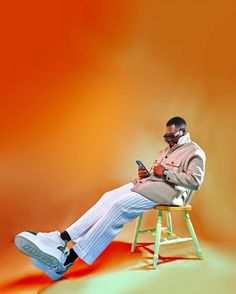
x: 141, y: 165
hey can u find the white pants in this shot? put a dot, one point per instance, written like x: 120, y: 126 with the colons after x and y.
x: 95, y: 230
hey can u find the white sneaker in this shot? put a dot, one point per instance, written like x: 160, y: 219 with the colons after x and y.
x: 47, y: 248
x: 53, y: 273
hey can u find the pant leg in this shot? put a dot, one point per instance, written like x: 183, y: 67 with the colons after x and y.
x: 92, y: 244
x: 87, y: 220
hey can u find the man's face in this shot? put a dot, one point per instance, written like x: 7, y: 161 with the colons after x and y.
x: 172, y: 134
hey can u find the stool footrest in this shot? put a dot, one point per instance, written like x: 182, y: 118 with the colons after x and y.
x: 163, y: 229
x: 174, y: 240
x: 177, y: 240
x: 147, y: 231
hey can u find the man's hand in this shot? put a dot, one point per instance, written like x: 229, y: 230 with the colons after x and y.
x: 142, y: 173
x: 158, y: 170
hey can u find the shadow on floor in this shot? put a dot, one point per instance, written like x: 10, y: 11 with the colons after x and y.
x: 117, y: 256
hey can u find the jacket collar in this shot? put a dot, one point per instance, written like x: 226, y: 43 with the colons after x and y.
x: 182, y: 140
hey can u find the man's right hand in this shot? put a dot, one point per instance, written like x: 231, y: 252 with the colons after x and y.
x: 142, y: 173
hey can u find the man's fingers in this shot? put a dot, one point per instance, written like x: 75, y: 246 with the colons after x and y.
x: 143, y: 173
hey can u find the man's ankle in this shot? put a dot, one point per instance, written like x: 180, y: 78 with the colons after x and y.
x: 65, y: 236
x: 71, y: 257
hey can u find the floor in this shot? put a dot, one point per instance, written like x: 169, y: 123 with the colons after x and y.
x: 117, y: 270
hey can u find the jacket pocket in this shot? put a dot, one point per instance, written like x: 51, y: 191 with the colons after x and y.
x: 173, y: 164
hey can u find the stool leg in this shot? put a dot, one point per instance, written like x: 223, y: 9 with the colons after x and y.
x: 169, y: 224
x: 139, y: 221
x: 157, y: 239
x: 193, y: 235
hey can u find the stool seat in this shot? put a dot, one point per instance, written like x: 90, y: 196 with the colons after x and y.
x: 173, y: 208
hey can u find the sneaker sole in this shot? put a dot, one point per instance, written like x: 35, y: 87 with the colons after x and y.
x: 25, y: 244
x: 52, y: 275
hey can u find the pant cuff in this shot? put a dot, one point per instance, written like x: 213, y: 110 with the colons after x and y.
x: 82, y: 255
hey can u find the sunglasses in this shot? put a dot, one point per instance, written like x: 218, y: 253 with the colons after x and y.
x: 171, y: 136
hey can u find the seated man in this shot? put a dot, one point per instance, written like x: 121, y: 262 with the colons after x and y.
x: 177, y: 171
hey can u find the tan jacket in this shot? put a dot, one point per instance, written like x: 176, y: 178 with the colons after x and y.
x: 185, y: 162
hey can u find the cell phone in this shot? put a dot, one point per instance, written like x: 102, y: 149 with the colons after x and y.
x: 141, y: 165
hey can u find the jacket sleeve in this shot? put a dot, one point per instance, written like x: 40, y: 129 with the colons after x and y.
x: 192, y: 178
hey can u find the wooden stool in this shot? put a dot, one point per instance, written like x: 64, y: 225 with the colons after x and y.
x: 171, y: 237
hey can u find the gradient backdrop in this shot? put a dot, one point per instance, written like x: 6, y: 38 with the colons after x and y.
x: 86, y: 89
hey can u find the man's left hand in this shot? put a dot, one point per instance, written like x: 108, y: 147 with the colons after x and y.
x: 158, y: 170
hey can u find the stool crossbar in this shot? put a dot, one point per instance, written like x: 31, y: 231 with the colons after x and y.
x: 170, y: 236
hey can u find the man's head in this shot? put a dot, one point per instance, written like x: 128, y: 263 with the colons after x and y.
x: 176, y: 127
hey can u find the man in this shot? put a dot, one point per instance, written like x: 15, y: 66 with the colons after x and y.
x: 176, y: 173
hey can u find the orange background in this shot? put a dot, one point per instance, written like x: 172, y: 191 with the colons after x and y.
x: 86, y: 90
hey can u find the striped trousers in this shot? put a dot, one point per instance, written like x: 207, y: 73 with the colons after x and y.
x: 95, y: 230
